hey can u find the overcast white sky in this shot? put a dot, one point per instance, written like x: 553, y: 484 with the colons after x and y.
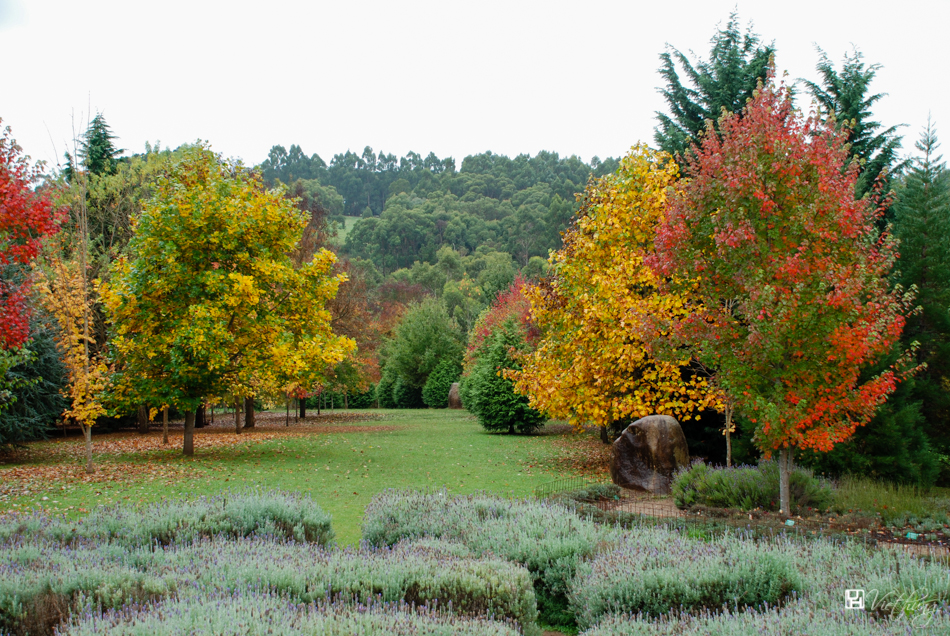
x: 450, y: 77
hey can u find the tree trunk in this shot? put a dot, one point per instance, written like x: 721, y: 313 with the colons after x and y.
x: 249, y: 412
x: 143, y: 419
x: 728, y: 436
x: 287, y: 414
x: 189, y: 444
x: 319, y: 402
x: 784, y: 468
x: 603, y: 435
x: 87, y: 433
x: 165, y: 426
x: 303, y: 407
x: 237, y: 415
x: 201, y: 419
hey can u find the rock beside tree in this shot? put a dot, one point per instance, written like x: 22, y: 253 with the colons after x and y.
x: 648, y: 453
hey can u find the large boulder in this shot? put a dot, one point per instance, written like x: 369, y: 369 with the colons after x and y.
x: 647, y: 453
x: 455, y: 399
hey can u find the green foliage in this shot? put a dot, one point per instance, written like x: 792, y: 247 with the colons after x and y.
x: 234, y: 514
x: 736, y: 63
x: 384, y: 390
x: 33, y: 400
x: 547, y: 539
x: 652, y: 572
x: 894, y: 445
x: 406, y: 396
x: 246, y: 612
x: 922, y: 223
x: 748, y: 487
x: 37, y: 574
x: 425, y: 337
x: 99, y: 155
x: 844, y: 96
x: 892, y: 502
x: 489, y: 395
x: 795, y: 618
x: 435, y: 393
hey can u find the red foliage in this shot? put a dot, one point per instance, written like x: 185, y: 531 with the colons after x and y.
x: 511, y: 303
x: 25, y: 218
x: 790, y: 271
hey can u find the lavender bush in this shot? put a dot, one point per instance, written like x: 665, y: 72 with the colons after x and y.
x: 234, y: 514
x: 748, y: 487
x: 796, y: 618
x: 546, y: 538
x: 37, y: 577
x: 252, y: 613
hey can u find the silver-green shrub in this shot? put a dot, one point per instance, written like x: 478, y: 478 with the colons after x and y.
x: 652, y: 571
x: 233, y: 514
x: 548, y: 539
x: 748, y: 487
x: 253, y: 613
x: 39, y: 576
x: 794, y: 619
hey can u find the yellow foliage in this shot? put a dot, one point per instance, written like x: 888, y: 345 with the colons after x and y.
x: 589, y: 366
x: 64, y: 295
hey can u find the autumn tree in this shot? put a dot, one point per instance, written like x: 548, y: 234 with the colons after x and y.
x: 208, y: 300
x: 789, y: 277
x: 590, y: 367
x: 27, y: 216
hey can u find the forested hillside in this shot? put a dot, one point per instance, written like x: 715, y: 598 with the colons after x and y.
x: 413, y: 206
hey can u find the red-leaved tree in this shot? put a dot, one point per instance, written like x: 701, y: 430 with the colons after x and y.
x: 790, y: 274
x: 25, y: 218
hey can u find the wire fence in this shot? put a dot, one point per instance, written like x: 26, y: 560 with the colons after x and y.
x: 566, y: 484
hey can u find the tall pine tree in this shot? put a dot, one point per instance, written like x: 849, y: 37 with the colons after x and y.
x: 737, y: 61
x: 845, y: 95
x: 98, y: 152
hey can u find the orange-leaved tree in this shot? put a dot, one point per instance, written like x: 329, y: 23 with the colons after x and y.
x: 790, y: 277
x: 590, y: 366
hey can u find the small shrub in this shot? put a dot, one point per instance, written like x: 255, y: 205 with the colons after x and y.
x: 406, y: 396
x: 797, y: 618
x: 384, y: 391
x: 235, y: 514
x: 435, y: 393
x: 547, y: 539
x: 36, y: 576
x: 254, y: 612
x: 748, y: 487
x: 655, y: 571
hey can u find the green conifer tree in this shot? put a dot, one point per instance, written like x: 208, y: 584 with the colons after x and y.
x: 736, y: 63
x: 98, y: 152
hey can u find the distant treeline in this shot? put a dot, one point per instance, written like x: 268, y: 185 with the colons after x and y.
x: 412, y: 206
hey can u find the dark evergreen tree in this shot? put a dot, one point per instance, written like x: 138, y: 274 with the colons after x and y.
x: 737, y: 61
x: 845, y: 95
x: 435, y: 393
x: 98, y: 152
x: 36, y: 402
x: 922, y: 223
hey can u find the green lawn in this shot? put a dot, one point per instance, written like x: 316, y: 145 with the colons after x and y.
x: 342, y: 469
x: 342, y: 231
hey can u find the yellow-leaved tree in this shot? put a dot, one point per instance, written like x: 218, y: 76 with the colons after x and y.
x: 590, y: 367
x: 207, y: 300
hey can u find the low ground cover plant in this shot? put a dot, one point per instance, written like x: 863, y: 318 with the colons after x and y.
x: 233, y: 514
x: 548, y: 539
x: 748, y: 487
x: 42, y: 581
x: 796, y: 618
x: 653, y: 571
x: 251, y: 612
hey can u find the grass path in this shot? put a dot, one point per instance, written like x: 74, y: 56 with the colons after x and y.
x: 342, y: 465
